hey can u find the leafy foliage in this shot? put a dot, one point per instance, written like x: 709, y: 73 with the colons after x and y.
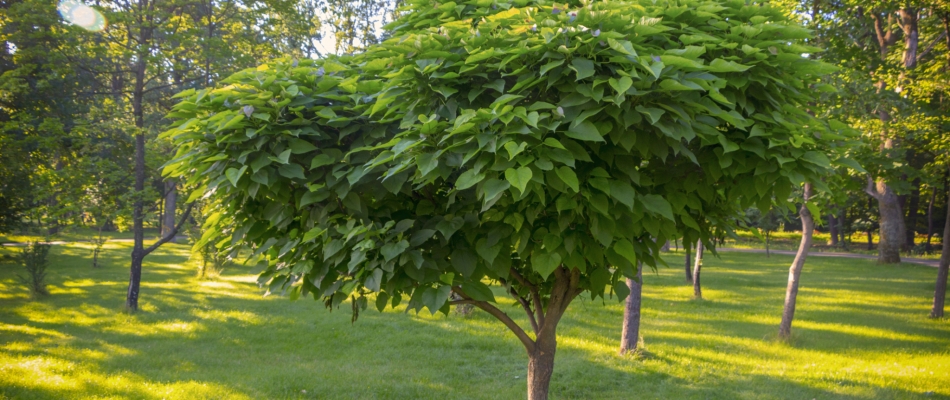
x: 517, y: 142
x: 35, y: 259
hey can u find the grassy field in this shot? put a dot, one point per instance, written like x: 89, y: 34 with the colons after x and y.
x: 861, y: 332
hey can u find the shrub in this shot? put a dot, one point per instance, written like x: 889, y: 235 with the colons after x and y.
x: 35, y: 259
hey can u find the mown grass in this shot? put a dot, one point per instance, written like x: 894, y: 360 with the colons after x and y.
x: 861, y: 332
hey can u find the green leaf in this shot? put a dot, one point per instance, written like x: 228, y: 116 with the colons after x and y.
x: 468, y: 179
x: 585, y: 131
x: 518, y: 178
x: 657, y: 204
x: 621, y: 85
x: 569, y: 177
x: 545, y: 263
x: 300, y: 146
x: 553, y: 64
x: 283, y: 158
x: 584, y: 67
x: 720, y: 65
x: 234, y: 174
x: 292, y: 171
x: 622, y: 46
x: 621, y: 289
x: 625, y: 249
x: 321, y: 160
x: 493, y: 187
x: 514, y: 149
x: 393, y: 250
x: 478, y: 291
x: 653, y: 113
x: 464, y: 261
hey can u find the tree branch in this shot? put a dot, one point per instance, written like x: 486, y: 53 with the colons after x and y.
x: 501, y: 316
x: 170, y: 235
x: 535, y: 295
x: 527, y: 309
x: 931, y: 45
x: 871, y: 190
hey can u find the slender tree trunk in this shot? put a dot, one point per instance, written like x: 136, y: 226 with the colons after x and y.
x: 795, y: 271
x: 911, y: 221
x: 171, y: 203
x: 930, y: 219
x: 870, y: 240
x: 138, y: 215
x: 697, y: 268
x: 768, y: 238
x: 630, y: 334
x: 940, y: 291
x: 833, y: 230
x: 842, y: 230
x: 689, y: 268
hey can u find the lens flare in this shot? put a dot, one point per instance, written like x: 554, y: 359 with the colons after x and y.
x: 82, y: 15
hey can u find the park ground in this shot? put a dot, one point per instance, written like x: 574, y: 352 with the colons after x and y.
x: 861, y: 332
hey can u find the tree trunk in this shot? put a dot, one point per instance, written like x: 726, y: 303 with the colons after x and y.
x: 911, y: 221
x: 892, y: 226
x: 940, y: 291
x: 689, y: 268
x: 768, y: 238
x: 930, y: 219
x: 630, y: 334
x: 171, y: 203
x: 870, y: 240
x: 697, y: 267
x: 795, y: 271
x: 833, y: 230
x: 842, y: 230
x: 138, y: 215
x: 540, y: 368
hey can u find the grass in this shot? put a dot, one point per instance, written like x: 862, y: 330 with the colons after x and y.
x: 858, y: 245
x: 72, y: 234
x: 861, y: 332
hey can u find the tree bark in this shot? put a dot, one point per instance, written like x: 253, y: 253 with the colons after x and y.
x: 795, y: 271
x: 138, y: 215
x: 911, y: 221
x: 891, y: 222
x: 171, y: 203
x: 630, y: 334
x: 540, y: 369
x: 842, y: 230
x: 689, y: 269
x: 930, y: 219
x: 940, y: 291
x: 833, y: 230
x: 697, y: 268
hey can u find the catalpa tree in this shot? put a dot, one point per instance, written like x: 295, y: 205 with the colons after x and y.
x: 541, y: 148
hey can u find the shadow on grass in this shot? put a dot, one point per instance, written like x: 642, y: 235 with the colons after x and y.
x: 196, y: 339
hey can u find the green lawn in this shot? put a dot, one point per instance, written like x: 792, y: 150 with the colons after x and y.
x: 861, y: 333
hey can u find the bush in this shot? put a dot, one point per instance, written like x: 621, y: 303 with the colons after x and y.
x: 35, y: 259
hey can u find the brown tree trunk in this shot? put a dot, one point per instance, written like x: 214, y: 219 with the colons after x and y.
x: 833, y: 230
x: 768, y: 238
x: 138, y: 215
x: 842, y: 231
x: 795, y: 271
x: 689, y: 269
x: 940, y: 291
x: 171, y: 203
x: 540, y: 369
x: 630, y: 334
x: 697, y: 268
x: 911, y: 221
x: 930, y: 220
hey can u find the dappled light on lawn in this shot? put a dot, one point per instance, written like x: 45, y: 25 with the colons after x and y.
x: 861, y: 333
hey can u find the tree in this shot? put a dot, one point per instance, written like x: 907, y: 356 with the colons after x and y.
x: 697, y: 270
x: 940, y: 290
x: 543, y: 149
x: 795, y: 271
